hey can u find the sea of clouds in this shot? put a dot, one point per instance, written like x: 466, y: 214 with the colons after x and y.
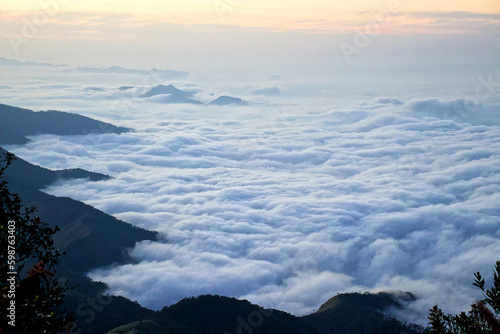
x: 286, y: 202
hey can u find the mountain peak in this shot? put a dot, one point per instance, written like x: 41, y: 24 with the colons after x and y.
x: 378, y: 301
x: 228, y: 100
x: 163, y: 90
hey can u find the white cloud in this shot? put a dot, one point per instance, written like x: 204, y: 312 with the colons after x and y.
x: 286, y: 206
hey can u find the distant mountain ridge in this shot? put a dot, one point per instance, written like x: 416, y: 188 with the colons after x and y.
x: 13, y: 62
x: 18, y: 123
x: 164, y: 74
x: 37, y: 177
x: 170, y: 95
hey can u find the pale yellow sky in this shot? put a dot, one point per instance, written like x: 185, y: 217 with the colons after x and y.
x: 314, y: 15
x: 209, y: 33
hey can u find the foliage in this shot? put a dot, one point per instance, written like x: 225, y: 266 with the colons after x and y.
x: 483, y: 317
x: 35, y: 289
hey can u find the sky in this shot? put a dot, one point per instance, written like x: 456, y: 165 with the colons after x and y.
x: 317, y: 15
x: 366, y: 159
x: 236, y: 34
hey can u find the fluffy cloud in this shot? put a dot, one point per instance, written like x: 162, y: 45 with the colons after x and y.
x: 288, y: 206
x: 433, y: 107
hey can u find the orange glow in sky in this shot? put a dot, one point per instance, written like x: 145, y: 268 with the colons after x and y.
x: 314, y: 15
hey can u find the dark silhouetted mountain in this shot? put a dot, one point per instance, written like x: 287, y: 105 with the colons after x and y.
x: 96, y: 318
x: 362, y: 313
x: 161, y: 89
x: 216, y: 315
x: 38, y: 177
x: 164, y: 74
x: 13, y: 62
x: 17, y: 123
x: 228, y: 100
x: 98, y: 312
x: 125, y: 87
x: 352, y: 313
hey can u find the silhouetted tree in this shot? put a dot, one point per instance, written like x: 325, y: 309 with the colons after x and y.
x: 31, y: 292
x: 483, y: 317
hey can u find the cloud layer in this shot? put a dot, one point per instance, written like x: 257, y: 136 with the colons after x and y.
x: 290, y: 209
x: 287, y: 205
